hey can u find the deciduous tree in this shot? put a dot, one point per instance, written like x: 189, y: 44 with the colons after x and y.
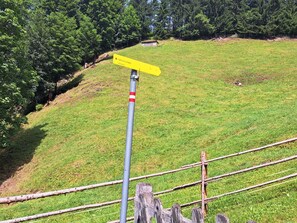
x: 17, y: 78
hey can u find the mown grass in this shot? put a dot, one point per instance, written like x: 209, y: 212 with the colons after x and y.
x: 193, y: 106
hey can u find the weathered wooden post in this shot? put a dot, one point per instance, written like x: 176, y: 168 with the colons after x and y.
x: 162, y: 215
x: 203, y: 184
x: 197, y: 215
x: 220, y: 218
x: 147, y: 207
x: 176, y: 216
x: 144, y: 205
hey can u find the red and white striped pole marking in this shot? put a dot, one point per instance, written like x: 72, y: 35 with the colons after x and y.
x: 132, y: 97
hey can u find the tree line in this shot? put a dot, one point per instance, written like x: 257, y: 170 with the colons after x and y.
x: 194, y: 19
x: 43, y: 41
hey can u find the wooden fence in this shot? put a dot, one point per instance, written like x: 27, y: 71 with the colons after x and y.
x: 146, y: 208
x: 203, y: 182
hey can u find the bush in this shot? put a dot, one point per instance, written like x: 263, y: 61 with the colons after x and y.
x: 38, y: 107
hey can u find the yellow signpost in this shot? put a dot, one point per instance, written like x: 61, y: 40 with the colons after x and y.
x: 136, y: 65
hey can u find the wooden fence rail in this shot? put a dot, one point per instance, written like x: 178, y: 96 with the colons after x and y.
x: 211, y: 179
x: 92, y: 206
x: 242, y: 190
x: 245, y: 152
x: 21, y: 198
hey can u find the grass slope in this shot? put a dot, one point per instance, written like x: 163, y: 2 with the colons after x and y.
x: 194, y: 105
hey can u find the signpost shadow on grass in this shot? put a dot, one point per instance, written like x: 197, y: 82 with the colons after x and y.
x: 20, y: 152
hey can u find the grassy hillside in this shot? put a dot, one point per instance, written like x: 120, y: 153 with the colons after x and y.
x: 194, y: 105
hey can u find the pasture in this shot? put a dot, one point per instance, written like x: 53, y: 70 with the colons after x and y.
x: 195, y: 105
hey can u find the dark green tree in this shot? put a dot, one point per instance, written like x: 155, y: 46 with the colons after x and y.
x: 54, y: 50
x: 282, y: 18
x: 222, y: 15
x: 179, y: 14
x: 104, y: 15
x: 41, y: 53
x: 67, y: 7
x: 225, y: 21
x: 202, y: 24
x: 176, y: 15
x: 129, y: 28
x: 155, y: 6
x: 17, y: 78
x: 83, y: 6
x: 144, y: 9
x: 64, y: 41
x: 89, y: 40
x: 162, y: 25
x: 192, y: 22
x: 252, y: 22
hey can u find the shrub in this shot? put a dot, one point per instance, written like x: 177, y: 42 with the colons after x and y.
x: 38, y: 107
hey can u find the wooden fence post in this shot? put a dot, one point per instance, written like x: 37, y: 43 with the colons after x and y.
x: 220, y: 218
x: 162, y: 215
x: 146, y: 208
x: 197, y: 216
x: 204, y: 207
x: 176, y: 216
x: 144, y: 205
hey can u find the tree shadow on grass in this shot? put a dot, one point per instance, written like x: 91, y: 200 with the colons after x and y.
x: 21, y: 151
x: 71, y: 84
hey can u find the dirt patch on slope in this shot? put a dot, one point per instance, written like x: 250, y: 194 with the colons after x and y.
x: 248, y: 79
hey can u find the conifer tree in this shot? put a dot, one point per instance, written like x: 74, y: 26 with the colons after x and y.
x: 129, y: 28
x: 144, y: 10
x: 89, y: 40
x: 41, y: 53
x: 162, y: 25
x: 281, y: 18
x: 251, y: 23
x: 104, y: 15
x: 179, y: 15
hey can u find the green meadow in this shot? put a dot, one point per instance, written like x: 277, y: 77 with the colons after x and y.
x: 194, y: 106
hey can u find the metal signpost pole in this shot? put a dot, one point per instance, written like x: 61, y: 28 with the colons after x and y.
x: 141, y: 67
x: 129, y: 136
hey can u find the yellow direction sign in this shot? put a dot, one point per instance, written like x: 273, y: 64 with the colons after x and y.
x: 136, y: 65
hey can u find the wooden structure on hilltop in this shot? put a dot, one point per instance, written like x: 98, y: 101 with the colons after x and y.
x: 153, y: 43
